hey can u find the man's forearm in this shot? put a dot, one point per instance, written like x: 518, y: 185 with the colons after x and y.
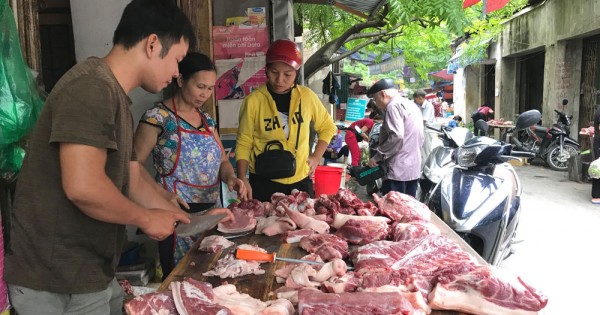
x: 147, y: 193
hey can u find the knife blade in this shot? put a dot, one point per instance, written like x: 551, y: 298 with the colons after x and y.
x: 199, y: 224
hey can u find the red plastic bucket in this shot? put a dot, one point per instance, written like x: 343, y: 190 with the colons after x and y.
x: 327, y: 180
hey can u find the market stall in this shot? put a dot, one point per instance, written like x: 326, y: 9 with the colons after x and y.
x: 393, y: 257
x: 197, y: 262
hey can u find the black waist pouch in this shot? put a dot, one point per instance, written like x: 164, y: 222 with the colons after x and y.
x: 275, y: 163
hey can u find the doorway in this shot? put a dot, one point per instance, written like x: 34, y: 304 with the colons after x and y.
x: 490, y: 85
x: 531, y: 81
x: 590, y: 81
x: 56, y: 40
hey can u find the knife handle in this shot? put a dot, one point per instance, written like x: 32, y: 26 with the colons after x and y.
x: 245, y: 254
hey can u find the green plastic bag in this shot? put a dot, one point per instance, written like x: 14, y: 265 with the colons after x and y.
x: 20, y: 102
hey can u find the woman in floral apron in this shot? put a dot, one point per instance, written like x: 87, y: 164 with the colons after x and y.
x: 188, y: 155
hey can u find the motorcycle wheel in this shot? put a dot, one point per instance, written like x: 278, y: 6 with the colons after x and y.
x: 558, y: 161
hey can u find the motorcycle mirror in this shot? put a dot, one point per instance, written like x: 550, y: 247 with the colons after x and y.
x: 565, y: 102
x: 528, y: 119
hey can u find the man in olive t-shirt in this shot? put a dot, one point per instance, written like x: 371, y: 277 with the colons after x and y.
x: 80, y: 184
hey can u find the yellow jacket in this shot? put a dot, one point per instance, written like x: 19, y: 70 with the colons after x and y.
x: 259, y: 124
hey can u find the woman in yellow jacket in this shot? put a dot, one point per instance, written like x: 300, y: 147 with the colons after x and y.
x: 281, y: 110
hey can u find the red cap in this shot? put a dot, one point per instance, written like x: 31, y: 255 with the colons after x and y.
x: 286, y: 51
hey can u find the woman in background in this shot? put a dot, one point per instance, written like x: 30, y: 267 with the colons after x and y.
x: 186, y: 149
x: 281, y: 110
x: 336, y: 149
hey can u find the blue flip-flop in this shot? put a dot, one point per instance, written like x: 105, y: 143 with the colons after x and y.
x: 596, y: 202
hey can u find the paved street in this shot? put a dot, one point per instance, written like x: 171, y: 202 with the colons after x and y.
x: 560, y: 229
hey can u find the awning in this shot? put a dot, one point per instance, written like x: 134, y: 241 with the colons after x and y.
x: 443, y: 74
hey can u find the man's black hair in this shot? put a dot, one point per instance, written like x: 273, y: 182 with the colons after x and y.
x: 419, y: 93
x: 194, y: 62
x: 141, y: 18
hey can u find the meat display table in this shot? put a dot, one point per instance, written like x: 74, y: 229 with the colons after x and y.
x: 500, y: 130
x: 196, y: 262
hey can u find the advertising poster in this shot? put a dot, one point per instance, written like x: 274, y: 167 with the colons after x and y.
x: 356, y: 109
x: 238, y: 77
x: 238, y: 42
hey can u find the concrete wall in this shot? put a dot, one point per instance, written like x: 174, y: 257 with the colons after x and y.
x: 558, y: 28
x: 94, y: 23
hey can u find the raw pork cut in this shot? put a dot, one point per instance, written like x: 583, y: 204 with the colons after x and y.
x: 311, y: 302
x: 274, y: 225
x: 305, y: 222
x: 296, y: 235
x: 152, y: 303
x: 336, y: 267
x: 254, y: 205
x: 244, y: 221
x: 213, y: 243
x: 239, y: 303
x: 402, y: 207
x: 300, y: 276
x: 413, y: 230
x: 348, y: 282
x: 363, y: 231
x: 230, y: 267
x: 328, y: 246
x: 387, y: 255
x: 486, y: 291
x: 279, y: 307
x: 195, y: 297
x: 339, y: 219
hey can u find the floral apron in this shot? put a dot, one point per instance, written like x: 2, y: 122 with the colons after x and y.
x: 195, y: 174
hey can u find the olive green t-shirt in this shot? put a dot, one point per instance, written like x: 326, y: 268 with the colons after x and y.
x: 54, y: 246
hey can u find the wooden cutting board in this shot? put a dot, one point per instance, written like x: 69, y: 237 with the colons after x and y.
x: 197, y: 262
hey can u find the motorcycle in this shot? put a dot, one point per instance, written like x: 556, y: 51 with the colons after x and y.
x: 439, y: 162
x: 480, y: 198
x: 553, y: 144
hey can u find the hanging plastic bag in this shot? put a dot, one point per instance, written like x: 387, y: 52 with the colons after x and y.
x: 20, y: 102
x: 594, y: 169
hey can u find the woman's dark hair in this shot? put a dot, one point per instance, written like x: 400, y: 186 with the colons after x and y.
x: 142, y: 18
x: 457, y: 118
x: 194, y: 62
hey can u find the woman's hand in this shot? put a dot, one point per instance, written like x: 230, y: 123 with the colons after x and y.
x: 234, y: 183
x: 313, y: 161
x: 228, y: 218
x: 247, y: 195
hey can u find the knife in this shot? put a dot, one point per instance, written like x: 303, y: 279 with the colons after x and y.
x: 199, y: 224
x: 245, y: 254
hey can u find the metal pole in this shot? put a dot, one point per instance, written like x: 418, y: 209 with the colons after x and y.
x: 483, y: 9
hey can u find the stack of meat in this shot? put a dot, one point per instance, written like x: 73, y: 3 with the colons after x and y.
x: 191, y: 297
x: 402, y: 265
x: 403, y: 258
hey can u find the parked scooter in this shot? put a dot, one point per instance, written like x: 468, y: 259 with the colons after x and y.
x: 553, y: 145
x: 480, y: 198
x: 439, y: 162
